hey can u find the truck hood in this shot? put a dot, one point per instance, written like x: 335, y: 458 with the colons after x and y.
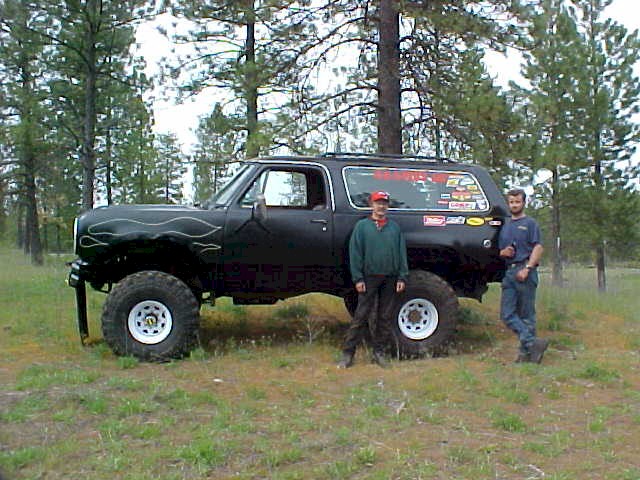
x: 105, y: 228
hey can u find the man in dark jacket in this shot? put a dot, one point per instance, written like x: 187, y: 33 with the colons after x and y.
x: 378, y: 262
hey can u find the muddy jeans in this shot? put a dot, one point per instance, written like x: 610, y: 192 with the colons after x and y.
x: 373, y: 314
x: 518, y: 305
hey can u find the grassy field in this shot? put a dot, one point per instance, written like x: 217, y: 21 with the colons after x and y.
x: 262, y: 398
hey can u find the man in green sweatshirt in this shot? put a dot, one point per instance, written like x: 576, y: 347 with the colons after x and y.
x: 378, y: 262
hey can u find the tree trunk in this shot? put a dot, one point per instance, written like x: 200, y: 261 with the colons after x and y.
x: 437, y: 70
x: 3, y: 213
x: 58, y: 239
x: 167, y: 180
x: 109, y: 166
x: 556, y: 248
x: 45, y: 234
x: 141, y: 196
x: 33, y: 244
x: 251, y: 79
x: 32, y: 241
x: 600, y: 243
x: 389, y: 119
x: 601, y: 266
x: 20, y: 237
x: 88, y: 159
x: 32, y: 230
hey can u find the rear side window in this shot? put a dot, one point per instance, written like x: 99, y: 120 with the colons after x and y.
x: 416, y: 189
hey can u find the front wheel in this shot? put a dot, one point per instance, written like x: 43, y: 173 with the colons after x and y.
x: 151, y: 315
x: 425, y: 314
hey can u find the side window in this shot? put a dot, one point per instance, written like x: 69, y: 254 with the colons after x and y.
x: 414, y: 189
x: 302, y: 189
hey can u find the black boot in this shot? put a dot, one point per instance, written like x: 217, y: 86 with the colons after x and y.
x: 380, y: 359
x: 537, y: 349
x: 347, y: 360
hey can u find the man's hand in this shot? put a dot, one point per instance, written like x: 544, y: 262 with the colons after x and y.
x: 508, y: 252
x: 361, y: 287
x: 522, y: 274
x: 400, y: 286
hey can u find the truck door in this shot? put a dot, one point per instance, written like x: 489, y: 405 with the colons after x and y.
x: 291, y: 250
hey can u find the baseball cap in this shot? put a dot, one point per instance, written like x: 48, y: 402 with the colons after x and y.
x: 379, y: 195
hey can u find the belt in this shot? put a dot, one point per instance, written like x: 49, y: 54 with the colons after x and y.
x: 518, y: 264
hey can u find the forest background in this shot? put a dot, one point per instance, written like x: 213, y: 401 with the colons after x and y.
x: 312, y: 76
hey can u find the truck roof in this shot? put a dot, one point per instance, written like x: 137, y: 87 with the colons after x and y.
x: 372, y: 159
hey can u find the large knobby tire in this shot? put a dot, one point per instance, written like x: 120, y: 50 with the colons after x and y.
x: 151, y: 315
x: 424, y: 316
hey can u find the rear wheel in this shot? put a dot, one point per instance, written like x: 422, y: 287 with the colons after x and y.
x: 425, y: 314
x: 151, y: 315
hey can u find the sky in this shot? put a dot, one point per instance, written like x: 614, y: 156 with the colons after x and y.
x: 182, y: 119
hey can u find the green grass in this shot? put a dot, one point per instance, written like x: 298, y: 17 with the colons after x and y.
x: 261, y: 397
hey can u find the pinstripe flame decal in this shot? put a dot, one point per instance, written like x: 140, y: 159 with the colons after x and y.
x: 99, y: 233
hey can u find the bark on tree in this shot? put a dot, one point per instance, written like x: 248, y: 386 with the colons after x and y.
x: 32, y: 244
x: 389, y: 118
x: 556, y: 247
x: 88, y: 159
x: 20, y: 240
x: 599, y: 242
x: 253, y: 145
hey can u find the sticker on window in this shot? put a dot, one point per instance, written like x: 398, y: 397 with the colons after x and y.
x: 416, y: 189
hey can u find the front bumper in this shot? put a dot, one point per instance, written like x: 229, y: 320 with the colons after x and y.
x: 76, y: 280
x: 78, y: 272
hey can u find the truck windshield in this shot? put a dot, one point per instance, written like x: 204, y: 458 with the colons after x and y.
x: 223, y: 196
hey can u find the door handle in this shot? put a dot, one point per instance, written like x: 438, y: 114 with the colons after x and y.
x: 319, y: 220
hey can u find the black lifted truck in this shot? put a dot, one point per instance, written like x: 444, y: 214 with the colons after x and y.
x: 280, y: 228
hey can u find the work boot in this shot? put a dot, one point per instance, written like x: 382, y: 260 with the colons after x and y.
x: 523, y: 357
x: 347, y: 360
x: 380, y: 359
x: 537, y: 349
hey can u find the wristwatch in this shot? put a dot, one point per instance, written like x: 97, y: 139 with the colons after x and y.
x: 528, y: 267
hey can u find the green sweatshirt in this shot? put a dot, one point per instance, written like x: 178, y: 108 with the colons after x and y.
x: 377, y: 252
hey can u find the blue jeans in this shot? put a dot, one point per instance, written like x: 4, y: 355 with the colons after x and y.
x: 518, y: 306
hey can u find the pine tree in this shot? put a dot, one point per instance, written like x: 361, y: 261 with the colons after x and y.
x: 610, y: 93
x: 171, y: 169
x: 219, y: 144
x: 91, y: 35
x: 246, y: 50
x: 22, y: 69
x: 391, y: 85
x: 552, y: 109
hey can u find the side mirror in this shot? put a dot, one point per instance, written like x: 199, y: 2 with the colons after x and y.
x: 259, y: 210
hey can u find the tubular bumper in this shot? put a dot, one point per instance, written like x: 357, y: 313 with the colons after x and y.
x: 76, y: 281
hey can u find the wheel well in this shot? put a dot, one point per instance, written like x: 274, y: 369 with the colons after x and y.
x: 169, y: 258
x: 461, y: 272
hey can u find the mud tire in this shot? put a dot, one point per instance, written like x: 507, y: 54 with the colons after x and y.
x: 425, y: 315
x: 157, y: 297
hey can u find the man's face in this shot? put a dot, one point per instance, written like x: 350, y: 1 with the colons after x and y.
x: 516, y: 204
x: 380, y: 207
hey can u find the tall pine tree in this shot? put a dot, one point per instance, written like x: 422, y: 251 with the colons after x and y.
x: 552, y: 109
x: 22, y: 71
x: 610, y: 92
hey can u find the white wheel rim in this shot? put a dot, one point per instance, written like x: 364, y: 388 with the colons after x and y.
x: 150, y: 322
x: 418, y: 319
